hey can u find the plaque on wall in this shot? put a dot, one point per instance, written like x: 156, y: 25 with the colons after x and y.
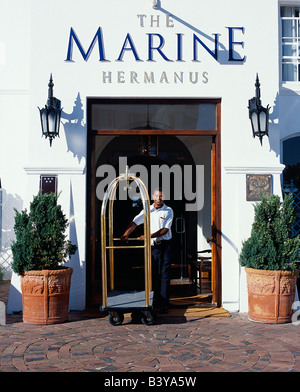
x: 48, y: 184
x: 257, y: 185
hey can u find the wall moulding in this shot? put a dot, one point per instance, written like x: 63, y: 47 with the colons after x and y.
x: 67, y: 170
x: 14, y: 92
x: 254, y: 169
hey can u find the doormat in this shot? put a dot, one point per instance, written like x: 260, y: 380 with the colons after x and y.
x: 194, y: 311
x: 193, y: 300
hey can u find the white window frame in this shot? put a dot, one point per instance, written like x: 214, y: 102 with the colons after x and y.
x: 288, y: 85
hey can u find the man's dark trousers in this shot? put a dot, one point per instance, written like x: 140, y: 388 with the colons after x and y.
x: 161, y: 263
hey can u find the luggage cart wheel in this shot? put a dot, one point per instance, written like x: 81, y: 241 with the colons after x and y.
x: 116, y: 318
x: 148, y: 318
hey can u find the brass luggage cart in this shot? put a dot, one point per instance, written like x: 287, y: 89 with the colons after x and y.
x: 119, y: 302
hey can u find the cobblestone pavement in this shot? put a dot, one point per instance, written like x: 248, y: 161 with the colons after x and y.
x: 91, y: 344
x: 231, y: 344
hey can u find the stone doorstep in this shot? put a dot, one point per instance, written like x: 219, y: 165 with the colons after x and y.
x: 2, y: 313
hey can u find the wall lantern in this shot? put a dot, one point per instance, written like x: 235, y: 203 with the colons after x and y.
x: 50, y: 115
x: 258, y: 115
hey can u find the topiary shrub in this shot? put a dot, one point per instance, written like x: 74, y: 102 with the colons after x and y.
x: 270, y: 245
x: 40, y: 236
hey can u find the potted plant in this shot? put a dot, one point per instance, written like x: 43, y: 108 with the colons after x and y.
x: 270, y: 257
x: 38, y: 252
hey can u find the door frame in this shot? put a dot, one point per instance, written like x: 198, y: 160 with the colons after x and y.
x: 216, y: 189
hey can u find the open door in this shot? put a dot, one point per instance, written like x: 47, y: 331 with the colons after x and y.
x: 172, y: 117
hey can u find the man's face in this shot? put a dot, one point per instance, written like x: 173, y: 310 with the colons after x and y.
x: 158, y: 199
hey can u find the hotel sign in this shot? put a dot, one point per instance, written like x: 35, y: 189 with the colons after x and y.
x: 155, y: 49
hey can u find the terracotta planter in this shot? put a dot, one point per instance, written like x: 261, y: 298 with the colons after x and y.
x: 270, y: 295
x: 45, y: 296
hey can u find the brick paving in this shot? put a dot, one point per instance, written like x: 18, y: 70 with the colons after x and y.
x: 179, y: 345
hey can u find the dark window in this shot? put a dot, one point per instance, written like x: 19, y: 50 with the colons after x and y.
x: 173, y: 116
x: 291, y: 160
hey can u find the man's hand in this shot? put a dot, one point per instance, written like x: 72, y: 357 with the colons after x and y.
x: 129, y: 230
x: 141, y: 238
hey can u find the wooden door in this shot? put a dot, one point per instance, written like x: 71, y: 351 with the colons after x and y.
x: 216, y: 236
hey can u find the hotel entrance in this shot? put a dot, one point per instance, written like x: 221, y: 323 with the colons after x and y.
x: 170, y: 143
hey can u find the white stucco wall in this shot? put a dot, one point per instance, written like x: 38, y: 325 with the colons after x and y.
x: 34, y: 39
